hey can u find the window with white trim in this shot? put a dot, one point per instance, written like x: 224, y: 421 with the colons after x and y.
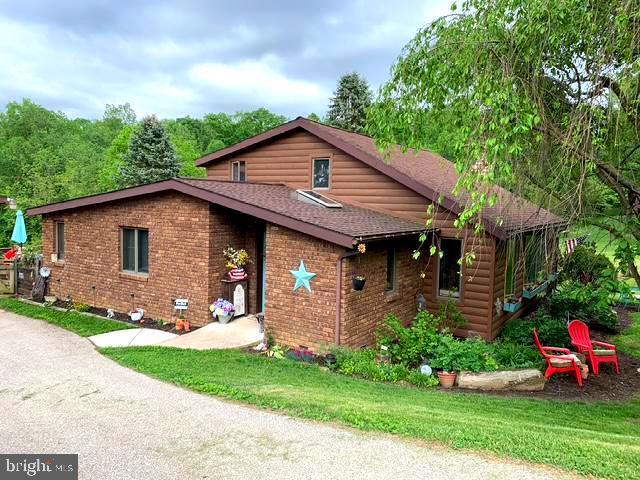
x: 59, y: 244
x: 135, y: 250
x: 239, y: 171
x: 321, y: 173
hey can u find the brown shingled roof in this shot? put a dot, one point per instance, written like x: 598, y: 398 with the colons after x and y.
x: 424, y: 172
x: 277, y: 204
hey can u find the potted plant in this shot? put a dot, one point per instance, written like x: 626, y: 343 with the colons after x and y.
x: 236, y: 261
x: 533, y: 289
x: 447, y: 360
x: 511, y: 304
x: 358, y: 282
x: 223, y: 310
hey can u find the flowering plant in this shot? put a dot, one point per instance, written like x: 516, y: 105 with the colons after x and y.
x: 222, y: 307
x: 236, y: 258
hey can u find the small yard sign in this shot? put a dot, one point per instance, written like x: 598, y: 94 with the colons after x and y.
x: 181, y: 303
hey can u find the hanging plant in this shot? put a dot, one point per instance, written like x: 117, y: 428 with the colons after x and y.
x: 358, y: 281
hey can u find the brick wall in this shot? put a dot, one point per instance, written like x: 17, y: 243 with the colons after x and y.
x: 300, y: 317
x: 364, y: 311
x: 180, y: 230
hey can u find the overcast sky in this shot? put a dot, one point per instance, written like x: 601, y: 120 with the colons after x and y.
x: 194, y: 57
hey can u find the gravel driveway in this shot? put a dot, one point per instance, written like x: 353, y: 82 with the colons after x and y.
x: 58, y: 395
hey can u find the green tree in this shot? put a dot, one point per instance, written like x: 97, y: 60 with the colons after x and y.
x: 349, y: 104
x: 544, y: 94
x: 187, y: 148
x: 151, y: 156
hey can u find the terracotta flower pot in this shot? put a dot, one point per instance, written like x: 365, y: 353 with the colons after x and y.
x: 447, y: 379
x: 179, y: 325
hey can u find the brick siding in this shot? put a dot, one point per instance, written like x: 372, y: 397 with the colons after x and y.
x: 364, y: 311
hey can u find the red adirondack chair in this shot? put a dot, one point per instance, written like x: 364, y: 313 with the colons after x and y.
x: 580, y: 337
x: 561, y: 362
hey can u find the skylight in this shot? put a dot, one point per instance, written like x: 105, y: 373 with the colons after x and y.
x: 310, y: 196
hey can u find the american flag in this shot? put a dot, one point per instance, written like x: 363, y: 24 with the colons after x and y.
x: 573, y: 243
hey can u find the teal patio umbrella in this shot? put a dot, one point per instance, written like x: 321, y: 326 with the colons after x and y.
x: 19, y: 236
x: 19, y: 229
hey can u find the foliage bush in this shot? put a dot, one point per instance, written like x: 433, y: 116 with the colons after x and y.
x: 586, y: 265
x: 453, y: 355
x: 511, y: 355
x: 409, y: 345
x: 591, y: 303
x: 80, y: 307
x: 551, y: 329
x: 363, y: 363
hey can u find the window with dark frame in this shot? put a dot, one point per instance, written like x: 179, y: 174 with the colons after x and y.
x: 135, y: 250
x: 449, y: 267
x: 390, y: 285
x: 239, y: 171
x: 60, y: 240
x: 321, y: 172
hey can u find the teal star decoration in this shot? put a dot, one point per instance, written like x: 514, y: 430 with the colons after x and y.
x: 302, y: 277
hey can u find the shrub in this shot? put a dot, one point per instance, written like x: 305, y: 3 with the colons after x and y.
x: 80, y: 307
x: 409, y: 345
x: 473, y: 355
x: 552, y: 330
x: 586, y: 265
x: 363, y: 364
x: 512, y: 355
x: 590, y: 303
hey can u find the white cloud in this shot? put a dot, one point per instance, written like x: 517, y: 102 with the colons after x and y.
x: 259, y: 80
x: 198, y: 57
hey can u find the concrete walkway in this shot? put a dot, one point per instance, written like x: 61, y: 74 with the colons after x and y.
x: 131, y: 337
x: 58, y: 394
x: 240, y: 332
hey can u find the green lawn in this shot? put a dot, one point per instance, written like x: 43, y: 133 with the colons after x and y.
x: 83, y: 325
x: 597, y: 439
x: 629, y: 340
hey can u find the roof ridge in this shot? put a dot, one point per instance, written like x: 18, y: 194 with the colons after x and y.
x: 335, y: 128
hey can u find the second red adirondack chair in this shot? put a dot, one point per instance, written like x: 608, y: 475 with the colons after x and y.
x: 606, y: 353
x: 559, y: 360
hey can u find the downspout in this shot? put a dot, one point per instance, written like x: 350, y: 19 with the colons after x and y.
x: 338, y: 325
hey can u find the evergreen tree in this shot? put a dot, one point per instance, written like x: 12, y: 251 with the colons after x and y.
x: 151, y: 156
x: 349, y: 104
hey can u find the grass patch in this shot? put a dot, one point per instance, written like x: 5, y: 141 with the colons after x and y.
x: 598, y: 439
x: 629, y: 340
x: 83, y: 325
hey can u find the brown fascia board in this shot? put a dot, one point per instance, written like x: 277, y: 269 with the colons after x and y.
x: 355, y: 152
x: 338, y: 238
x: 249, y: 142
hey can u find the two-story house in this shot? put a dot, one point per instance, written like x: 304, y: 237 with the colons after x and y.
x: 301, y: 193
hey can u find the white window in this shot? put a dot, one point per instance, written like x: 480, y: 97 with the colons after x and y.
x: 239, y: 171
x: 59, y: 243
x: 321, y: 172
x: 135, y: 250
x: 449, y: 268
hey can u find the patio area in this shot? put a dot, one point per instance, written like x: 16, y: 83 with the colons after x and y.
x: 241, y: 332
x: 238, y: 333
